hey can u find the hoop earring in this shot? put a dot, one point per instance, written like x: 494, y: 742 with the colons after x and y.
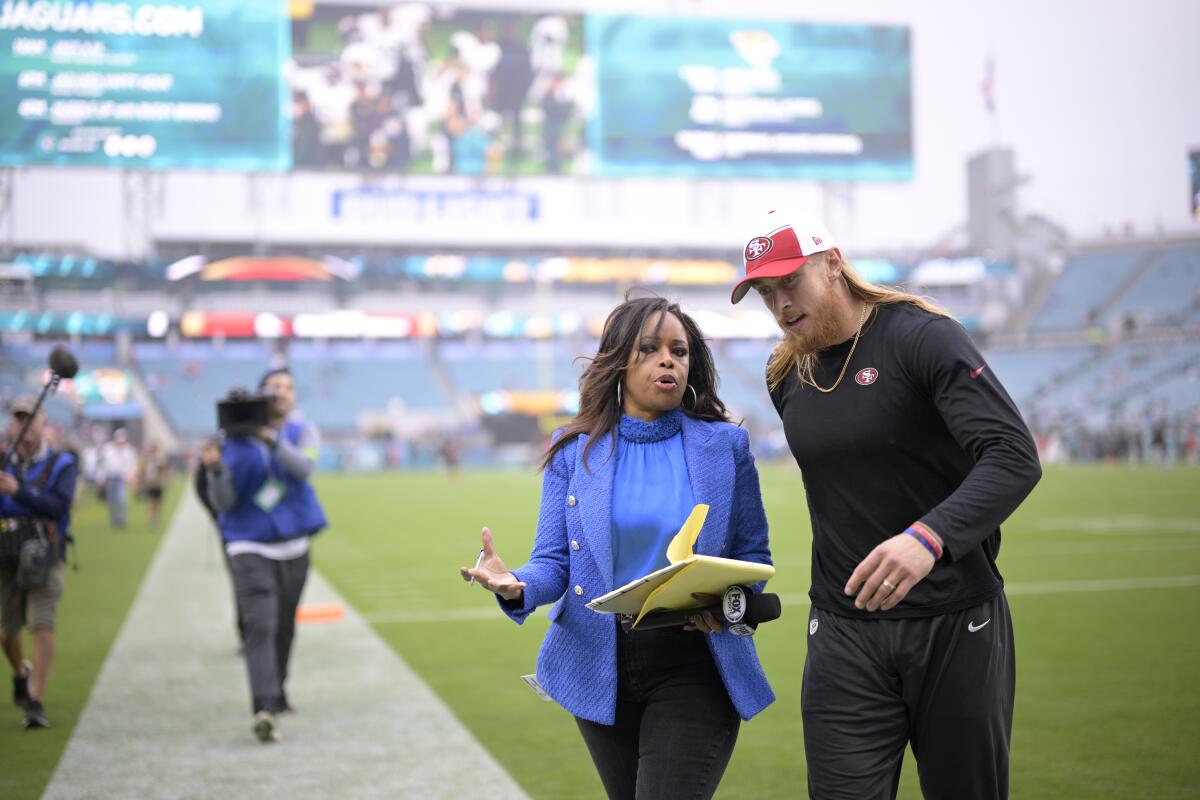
x: 695, y: 396
x: 619, y: 407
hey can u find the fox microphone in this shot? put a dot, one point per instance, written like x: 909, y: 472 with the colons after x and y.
x: 740, y: 609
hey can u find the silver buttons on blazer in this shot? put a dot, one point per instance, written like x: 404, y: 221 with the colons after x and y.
x: 571, y: 500
x: 574, y: 545
x: 578, y: 589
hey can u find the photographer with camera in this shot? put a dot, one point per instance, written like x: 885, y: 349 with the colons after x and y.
x: 268, y: 511
x: 36, y: 490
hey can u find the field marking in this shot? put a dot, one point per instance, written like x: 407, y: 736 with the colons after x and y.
x: 169, y: 715
x: 1123, y: 524
x: 1011, y: 589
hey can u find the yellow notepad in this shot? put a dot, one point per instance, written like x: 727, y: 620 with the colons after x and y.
x: 686, y: 573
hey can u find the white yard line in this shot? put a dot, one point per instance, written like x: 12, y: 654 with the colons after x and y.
x: 1011, y: 589
x: 169, y: 715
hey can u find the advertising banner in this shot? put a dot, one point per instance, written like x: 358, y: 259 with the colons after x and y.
x: 144, y: 84
x: 774, y: 99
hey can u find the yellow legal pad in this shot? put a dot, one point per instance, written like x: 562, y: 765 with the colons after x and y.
x: 686, y: 573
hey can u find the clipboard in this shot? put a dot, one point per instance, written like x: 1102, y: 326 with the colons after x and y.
x: 672, y: 586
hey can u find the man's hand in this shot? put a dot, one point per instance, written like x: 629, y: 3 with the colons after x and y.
x: 8, y: 484
x: 491, y: 573
x: 889, y: 572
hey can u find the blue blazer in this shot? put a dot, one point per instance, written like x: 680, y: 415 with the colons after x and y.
x: 572, y: 564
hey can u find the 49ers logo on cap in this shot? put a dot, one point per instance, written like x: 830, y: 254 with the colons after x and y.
x: 758, y: 247
x: 866, y: 377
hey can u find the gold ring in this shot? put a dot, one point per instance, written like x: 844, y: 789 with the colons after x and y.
x: 891, y: 587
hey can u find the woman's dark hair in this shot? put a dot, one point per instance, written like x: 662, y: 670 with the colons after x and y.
x: 599, y: 412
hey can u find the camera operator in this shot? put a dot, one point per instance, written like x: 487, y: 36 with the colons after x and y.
x: 258, y: 482
x: 36, y: 490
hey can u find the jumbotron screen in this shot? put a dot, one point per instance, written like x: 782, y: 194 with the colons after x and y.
x: 144, y: 84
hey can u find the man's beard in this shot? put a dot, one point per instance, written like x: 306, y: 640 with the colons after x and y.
x: 822, y: 331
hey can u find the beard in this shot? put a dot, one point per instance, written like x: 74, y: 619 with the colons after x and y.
x: 822, y: 331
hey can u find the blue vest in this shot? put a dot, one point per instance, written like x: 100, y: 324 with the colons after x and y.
x: 251, y: 465
x: 9, y: 507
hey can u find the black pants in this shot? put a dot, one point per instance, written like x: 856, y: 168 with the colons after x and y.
x: 675, y: 726
x: 944, y: 684
x: 268, y: 592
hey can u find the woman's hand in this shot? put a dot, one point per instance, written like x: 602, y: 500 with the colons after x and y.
x: 706, y: 621
x: 491, y: 573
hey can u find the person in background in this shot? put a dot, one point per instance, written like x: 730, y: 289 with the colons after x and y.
x: 118, y: 469
x: 153, y: 469
x: 267, y: 514
x: 37, y: 487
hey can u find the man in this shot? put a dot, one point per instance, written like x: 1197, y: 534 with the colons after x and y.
x: 153, y: 471
x: 36, y: 488
x: 268, y: 514
x: 118, y: 468
x: 912, y: 455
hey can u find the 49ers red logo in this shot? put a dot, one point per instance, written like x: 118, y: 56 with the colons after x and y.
x: 866, y: 377
x: 758, y: 247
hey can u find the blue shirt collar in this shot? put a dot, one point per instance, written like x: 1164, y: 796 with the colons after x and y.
x: 666, y: 426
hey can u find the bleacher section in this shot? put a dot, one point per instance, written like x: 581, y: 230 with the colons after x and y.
x: 1025, y: 371
x: 187, y: 382
x: 1125, y: 381
x: 740, y: 369
x: 1087, y: 281
x: 338, y: 382
x: 1168, y: 293
x: 475, y: 368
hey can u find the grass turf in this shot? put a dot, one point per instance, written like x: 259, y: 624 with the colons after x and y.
x: 1108, y: 682
x: 92, y: 611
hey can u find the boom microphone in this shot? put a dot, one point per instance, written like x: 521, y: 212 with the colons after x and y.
x: 62, y: 363
x: 740, y: 609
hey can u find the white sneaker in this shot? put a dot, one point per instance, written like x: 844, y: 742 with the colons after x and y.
x: 265, y: 729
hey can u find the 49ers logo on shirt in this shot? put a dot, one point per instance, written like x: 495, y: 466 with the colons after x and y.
x: 758, y: 247
x: 866, y: 377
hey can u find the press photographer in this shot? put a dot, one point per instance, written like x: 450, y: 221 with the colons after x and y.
x: 37, y: 486
x: 258, y: 482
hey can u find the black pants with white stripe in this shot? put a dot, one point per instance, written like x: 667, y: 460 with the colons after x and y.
x: 943, y: 684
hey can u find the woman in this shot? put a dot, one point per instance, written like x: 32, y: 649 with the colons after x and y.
x: 659, y: 710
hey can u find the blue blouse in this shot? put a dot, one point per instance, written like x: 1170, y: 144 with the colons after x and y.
x: 652, y: 495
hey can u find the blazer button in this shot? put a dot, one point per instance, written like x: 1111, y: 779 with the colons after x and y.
x: 578, y: 590
x: 574, y: 545
x: 571, y: 500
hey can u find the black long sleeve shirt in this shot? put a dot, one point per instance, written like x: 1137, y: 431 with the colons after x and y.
x: 918, y: 430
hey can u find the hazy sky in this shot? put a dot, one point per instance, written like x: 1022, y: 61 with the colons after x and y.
x: 1097, y: 97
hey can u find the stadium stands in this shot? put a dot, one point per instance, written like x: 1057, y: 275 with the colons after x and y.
x: 1087, y: 281
x: 1168, y: 292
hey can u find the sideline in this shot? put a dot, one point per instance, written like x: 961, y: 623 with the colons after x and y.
x: 169, y: 714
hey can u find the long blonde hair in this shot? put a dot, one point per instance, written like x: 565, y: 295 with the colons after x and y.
x: 784, y: 357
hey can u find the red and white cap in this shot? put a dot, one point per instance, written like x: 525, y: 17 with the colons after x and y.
x: 783, y: 245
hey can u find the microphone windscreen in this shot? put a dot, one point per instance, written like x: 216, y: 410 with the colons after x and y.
x: 62, y: 363
x: 764, y: 607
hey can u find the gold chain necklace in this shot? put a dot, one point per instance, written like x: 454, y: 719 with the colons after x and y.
x: 861, y: 319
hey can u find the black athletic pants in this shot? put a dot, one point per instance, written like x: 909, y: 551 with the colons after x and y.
x: 268, y: 592
x: 945, y: 684
x: 676, y: 725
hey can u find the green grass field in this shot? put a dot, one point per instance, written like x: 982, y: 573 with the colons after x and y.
x: 1108, y: 683
x: 1108, y: 646
x: 98, y: 595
